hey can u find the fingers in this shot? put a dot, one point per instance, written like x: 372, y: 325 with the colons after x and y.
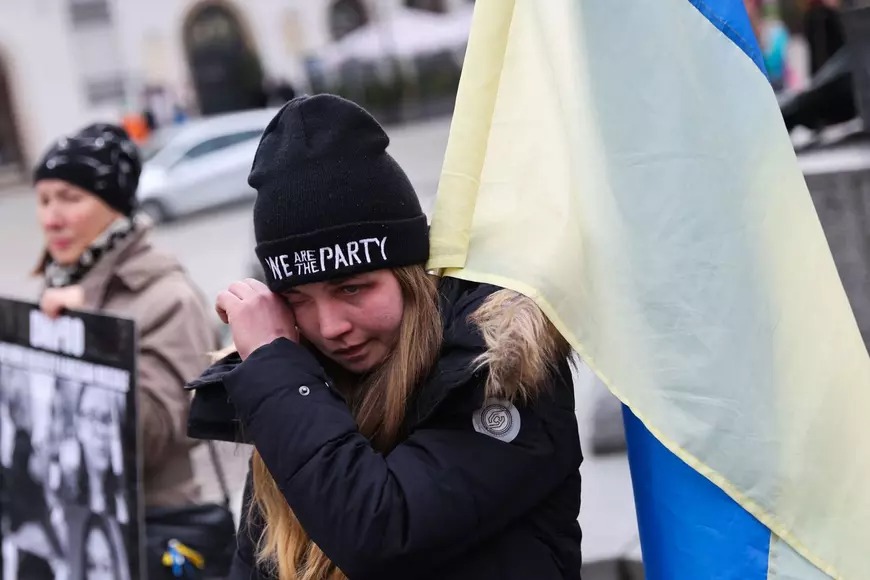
x: 50, y: 305
x: 222, y: 314
x: 225, y: 304
x: 248, y: 289
x: 257, y: 285
x: 75, y: 297
x: 242, y: 289
x: 55, y: 300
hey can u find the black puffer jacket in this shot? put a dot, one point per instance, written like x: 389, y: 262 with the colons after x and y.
x: 481, y: 489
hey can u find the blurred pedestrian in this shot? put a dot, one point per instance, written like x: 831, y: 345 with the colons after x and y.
x: 282, y: 91
x: 136, y: 126
x: 404, y: 426
x: 278, y: 91
x: 772, y: 36
x: 823, y: 31
x: 150, y: 120
x: 99, y: 257
x: 179, y: 115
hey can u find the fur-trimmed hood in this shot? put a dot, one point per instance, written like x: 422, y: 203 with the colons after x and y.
x: 522, y: 345
x: 496, y: 342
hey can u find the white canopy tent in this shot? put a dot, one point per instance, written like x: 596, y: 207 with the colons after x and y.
x: 404, y: 34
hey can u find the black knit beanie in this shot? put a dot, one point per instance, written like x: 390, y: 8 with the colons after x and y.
x: 100, y: 159
x: 330, y: 201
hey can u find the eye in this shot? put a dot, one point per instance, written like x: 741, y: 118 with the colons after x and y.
x: 70, y: 195
x: 296, y: 299
x: 350, y: 289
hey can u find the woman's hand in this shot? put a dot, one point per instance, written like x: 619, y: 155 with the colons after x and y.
x: 256, y: 315
x: 56, y: 300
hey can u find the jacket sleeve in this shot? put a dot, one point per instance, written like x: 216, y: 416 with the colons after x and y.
x: 173, y: 348
x: 442, y: 491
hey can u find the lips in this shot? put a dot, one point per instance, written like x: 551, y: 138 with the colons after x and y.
x: 60, y: 244
x: 352, y: 351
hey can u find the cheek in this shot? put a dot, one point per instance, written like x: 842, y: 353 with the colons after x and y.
x: 392, y: 319
x: 83, y: 224
x: 67, y: 221
x: 86, y: 218
x: 385, y: 319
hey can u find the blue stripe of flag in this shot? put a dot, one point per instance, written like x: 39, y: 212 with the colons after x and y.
x: 690, y: 528
x: 730, y: 17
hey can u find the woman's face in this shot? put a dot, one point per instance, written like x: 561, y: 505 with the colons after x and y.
x: 94, y: 426
x: 71, y: 218
x: 99, y: 557
x: 354, y: 321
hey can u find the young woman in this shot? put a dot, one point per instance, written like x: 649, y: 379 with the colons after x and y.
x: 98, y: 483
x: 404, y: 427
x: 98, y: 257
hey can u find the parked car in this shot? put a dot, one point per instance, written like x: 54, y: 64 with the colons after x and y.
x: 201, y: 164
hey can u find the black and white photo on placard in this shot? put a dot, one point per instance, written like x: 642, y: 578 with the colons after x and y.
x: 69, y: 497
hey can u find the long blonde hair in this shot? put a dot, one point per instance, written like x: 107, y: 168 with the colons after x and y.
x: 378, y: 405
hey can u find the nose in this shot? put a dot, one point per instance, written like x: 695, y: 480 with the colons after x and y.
x: 332, y: 323
x: 51, y: 216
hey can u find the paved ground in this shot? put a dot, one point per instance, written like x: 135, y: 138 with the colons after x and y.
x: 216, y: 249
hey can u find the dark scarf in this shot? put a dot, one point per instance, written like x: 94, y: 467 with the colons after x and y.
x: 58, y: 276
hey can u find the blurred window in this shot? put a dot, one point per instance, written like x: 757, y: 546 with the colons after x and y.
x: 95, y: 51
x: 105, y: 90
x: 345, y: 16
x: 88, y: 12
x: 214, y: 27
x: 216, y: 144
x: 430, y: 5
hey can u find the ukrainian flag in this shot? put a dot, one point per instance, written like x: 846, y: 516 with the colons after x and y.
x: 625, y: 164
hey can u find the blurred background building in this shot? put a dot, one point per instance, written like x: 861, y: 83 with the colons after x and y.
x: 67, y: 62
